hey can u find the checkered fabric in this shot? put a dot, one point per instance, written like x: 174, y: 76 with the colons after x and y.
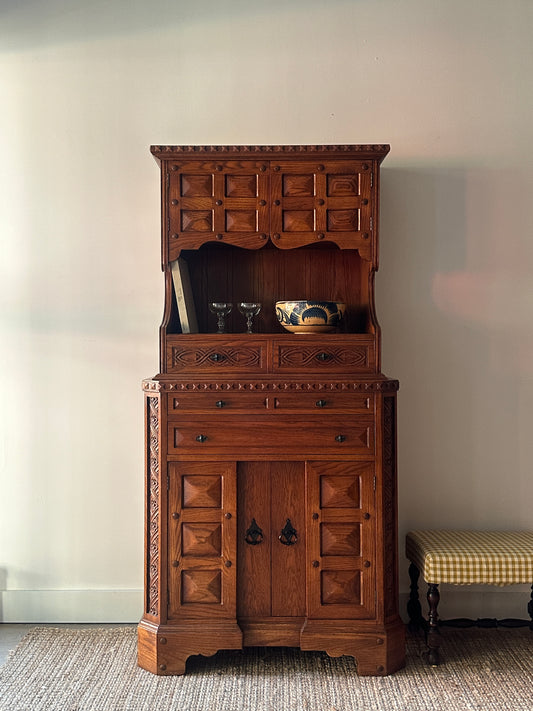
x: 468, y: 557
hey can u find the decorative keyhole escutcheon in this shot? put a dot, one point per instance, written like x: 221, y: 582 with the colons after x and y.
x: 254, y: 535
x: 288, y: 535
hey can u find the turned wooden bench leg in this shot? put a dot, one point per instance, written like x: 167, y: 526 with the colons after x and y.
x: 433, y: 638
x: 414, y: 610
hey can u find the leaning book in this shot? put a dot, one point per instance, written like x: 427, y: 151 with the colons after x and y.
x: 184, y: 297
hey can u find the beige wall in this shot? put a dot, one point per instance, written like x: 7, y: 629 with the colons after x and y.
x: 86, y: 87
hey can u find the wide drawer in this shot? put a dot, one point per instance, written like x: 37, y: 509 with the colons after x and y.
x: 207, y: 355
x: 273, y: 402
x: 355, y: 355
x: 299, y: 437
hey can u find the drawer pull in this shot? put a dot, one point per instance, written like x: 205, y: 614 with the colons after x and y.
x: 288, y: 535
x: 201, y: 438
x: 217, y: 357
x: 324, y: 356
x: 254, y: 535
x: 321, y: 403
x: 220, y: 403
x: 340, y: 438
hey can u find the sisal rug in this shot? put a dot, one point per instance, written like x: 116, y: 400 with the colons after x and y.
x: 95, y: 670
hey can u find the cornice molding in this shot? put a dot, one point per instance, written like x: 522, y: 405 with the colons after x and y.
x: 379, y: 149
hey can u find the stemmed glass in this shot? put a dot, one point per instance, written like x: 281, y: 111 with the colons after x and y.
x: 221, y: 309
x: 249, y: 309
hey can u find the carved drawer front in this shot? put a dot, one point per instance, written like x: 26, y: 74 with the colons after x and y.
x: 322, y: 401
x: 218, y: 402
x: 202, y: 539
x: 274, y: 402
x: 341, y: 533
x: 217, y: 200
x: 325, y: 356
x: 203, y: 356
x: 273, y: 436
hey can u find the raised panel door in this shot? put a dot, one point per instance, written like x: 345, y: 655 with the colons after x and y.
x: 217, y: 200
x: 202, y: 540
x: 341, y: 540
x: 322, y: 200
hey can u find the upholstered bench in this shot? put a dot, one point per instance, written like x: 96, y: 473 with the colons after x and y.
x: 466, y: 558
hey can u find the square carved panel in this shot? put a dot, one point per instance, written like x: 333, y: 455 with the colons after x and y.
x: 340, y: 539
x: 202, y: 492
x: 241, y: 220
x: 201, y: 587
x: 241, y: 186
x: 341, y: 587
x: 298, y: 220
x: 340, y: 492
x: 343, y: 220
x: 201, y: 539
x: 343, y: 185
x: 196, y: 220
x: 299, y: 185
x: 196, y: 185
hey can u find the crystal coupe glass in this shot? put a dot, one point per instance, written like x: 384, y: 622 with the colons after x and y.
x: 221, y: 309
x: 249, y: 309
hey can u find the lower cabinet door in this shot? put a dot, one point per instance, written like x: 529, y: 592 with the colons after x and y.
x: 271, y: 539
x: 341, y: 575
x: 202, y: 550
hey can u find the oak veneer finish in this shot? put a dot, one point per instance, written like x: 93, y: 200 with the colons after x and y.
x: 271, y: 458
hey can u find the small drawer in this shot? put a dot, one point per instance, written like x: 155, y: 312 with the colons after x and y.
x: 272, y: 436
x: 319, y: 356
x: 218, y: 402
x: 322, y: 402
x: 205, y: 355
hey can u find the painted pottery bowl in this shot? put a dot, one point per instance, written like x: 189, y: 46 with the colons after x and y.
x: 310, y: 316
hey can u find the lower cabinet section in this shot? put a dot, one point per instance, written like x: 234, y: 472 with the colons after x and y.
x: 272, y: 553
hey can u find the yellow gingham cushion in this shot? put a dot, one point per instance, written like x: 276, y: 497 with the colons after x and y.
x: 467, y: 557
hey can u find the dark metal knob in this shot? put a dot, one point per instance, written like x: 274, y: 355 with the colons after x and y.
x: 366, y: 516
x: 323, y: 356
x: 321, y: 403
x: 228, y: 564
x: 220, y: 403
x: 340, y: 438
x: 315, y: 517
x: 315, y: 564
x: 217, y: 357
x: 227, y: 515
x: 201, y: 438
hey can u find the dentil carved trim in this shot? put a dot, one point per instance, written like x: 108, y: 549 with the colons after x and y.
x: 380, y: 148
x: 271, y: 386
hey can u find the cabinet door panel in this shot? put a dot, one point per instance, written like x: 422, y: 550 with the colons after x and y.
x: 322, y: 200
x: 288, y: 557
x: 254, y: 548
x: 201, y: 540
x: 223, y: 200
x: 271, y: 577
x: 341, y: 549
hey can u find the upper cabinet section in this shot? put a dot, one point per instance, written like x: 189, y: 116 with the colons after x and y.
x: 294, y: 196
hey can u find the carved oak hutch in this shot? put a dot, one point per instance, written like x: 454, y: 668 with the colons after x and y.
x: 270, y: 464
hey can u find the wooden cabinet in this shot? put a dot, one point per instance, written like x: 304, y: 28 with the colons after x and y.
x: 270, y: 457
